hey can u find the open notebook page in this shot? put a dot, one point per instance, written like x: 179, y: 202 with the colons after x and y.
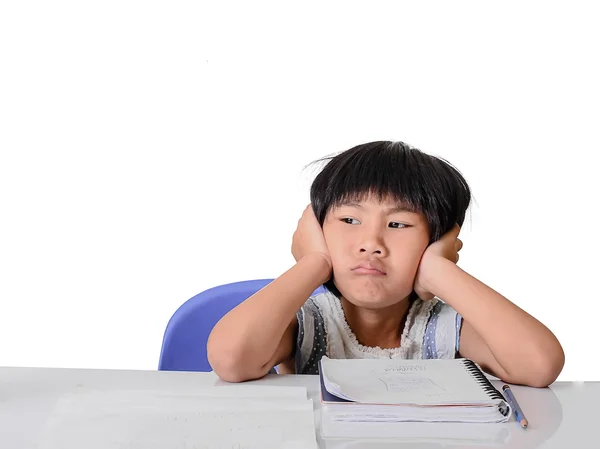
x: 420, y: 382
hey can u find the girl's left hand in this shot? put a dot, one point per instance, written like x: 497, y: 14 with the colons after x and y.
x: 446, y: 248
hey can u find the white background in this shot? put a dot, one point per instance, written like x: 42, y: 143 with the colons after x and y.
x: 151, y: 150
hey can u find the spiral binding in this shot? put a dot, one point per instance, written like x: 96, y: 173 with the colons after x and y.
x: 486, y: 385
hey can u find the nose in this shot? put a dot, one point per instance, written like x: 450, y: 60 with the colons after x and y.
x: 373, y: 244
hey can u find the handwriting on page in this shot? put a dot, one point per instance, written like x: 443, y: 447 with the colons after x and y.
x: 405, y: 368
x: 422, y: 385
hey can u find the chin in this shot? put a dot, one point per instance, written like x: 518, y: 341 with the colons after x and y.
x: 371, y: 303
x: 371, y: 295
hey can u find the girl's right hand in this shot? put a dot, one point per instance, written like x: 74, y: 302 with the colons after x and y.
x: 308, y: 237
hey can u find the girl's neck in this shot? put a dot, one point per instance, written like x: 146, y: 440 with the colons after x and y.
x: 377, y: 327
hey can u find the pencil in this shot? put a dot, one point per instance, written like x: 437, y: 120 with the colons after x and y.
x: 520, y: 416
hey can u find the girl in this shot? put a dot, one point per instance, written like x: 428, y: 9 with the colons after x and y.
x: 381, y: 233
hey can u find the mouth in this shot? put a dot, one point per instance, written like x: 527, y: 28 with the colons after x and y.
x: 369, y: 269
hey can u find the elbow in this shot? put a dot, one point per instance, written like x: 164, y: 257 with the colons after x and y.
x: 551, y: 365
x: 545, y: 369
x: 541, y: 378
x: 229, y: 372
x: 549, y: 370
x: 229, y: 364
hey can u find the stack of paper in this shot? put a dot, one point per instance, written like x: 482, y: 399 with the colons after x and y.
x: 216, y: 417
x: 370, y: 435
x: 383, y: 390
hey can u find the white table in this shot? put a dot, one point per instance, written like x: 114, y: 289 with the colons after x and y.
x: 562, y: 416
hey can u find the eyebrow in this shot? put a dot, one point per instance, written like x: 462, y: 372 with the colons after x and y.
x: 389, y: 211
x: 395, y: 209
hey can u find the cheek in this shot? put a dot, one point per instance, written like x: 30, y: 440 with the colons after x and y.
x: 339, y: 248
x: 407, y: 255
x: 416, y: 247
x: 335, y: 246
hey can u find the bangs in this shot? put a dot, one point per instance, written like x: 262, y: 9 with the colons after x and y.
x: 397, y: 172
x: 380, y: 196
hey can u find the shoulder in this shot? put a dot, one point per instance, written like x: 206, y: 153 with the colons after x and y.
x: 442, y: 334
x: 310, y: 314
x: 441, y: 310
x: 311, y: 342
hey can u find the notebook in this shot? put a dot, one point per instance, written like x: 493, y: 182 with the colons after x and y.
x: 396, y: 390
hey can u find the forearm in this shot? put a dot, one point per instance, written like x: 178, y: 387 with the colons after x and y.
x: 249, y: 335
x: 517, y: 341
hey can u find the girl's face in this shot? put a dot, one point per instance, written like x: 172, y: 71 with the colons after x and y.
x: 375, y: 250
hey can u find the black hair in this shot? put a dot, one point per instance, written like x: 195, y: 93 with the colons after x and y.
x: 384, y: 169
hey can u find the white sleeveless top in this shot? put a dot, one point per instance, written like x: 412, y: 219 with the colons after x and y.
x: 432, y: 331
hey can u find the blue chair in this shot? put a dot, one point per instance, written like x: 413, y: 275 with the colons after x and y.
x: 186, y: 335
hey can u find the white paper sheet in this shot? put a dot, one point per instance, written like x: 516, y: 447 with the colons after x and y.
x: 210, y: 418
x: 402, y: 381
x: 409, y: 390
x: 440, y: 434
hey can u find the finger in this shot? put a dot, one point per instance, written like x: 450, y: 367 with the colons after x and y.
x: 457, y: 257
x: 458, y: 245
x: 306, y: 213
x: 452, y: 234
x: 455, y: 230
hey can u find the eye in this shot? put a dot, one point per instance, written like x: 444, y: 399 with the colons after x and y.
x: 395, y: 224
x: 350, y: 221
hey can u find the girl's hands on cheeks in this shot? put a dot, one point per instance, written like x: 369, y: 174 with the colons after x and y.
x: 445, y: 248
x: 308, y: 237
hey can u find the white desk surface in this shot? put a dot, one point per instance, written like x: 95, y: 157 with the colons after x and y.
x: 561, y: 417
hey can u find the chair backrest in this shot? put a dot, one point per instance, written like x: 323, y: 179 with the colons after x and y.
x: 186, y: 335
